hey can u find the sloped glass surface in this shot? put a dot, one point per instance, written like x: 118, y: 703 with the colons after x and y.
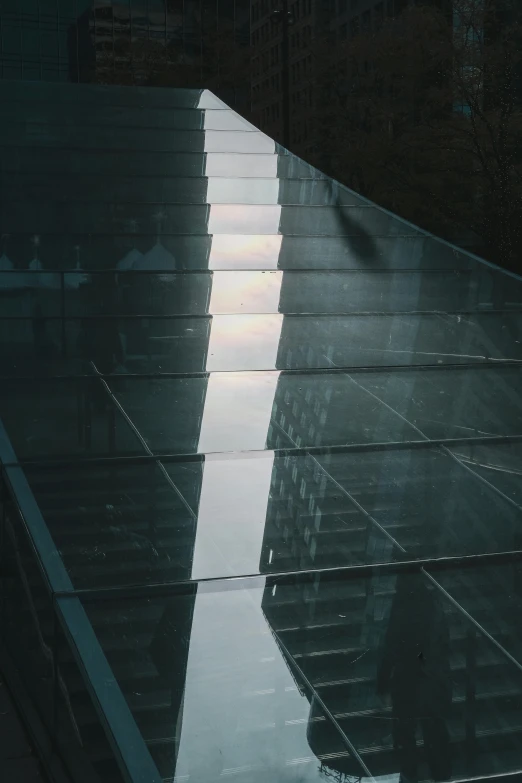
x: 260, y: 676
x: 243, y: 411
x: 238, y: 404
x: 235, y: 252
x: 156, y: 163
x: 64, y: 418
x: 427, y: 501
x: 492, y: 595
x: 34, y: 113
x: 500, y: 465
x: 149, y: 522
x: 195, y: 219
x: 180, y: 190
x: 102, y: 96
x: 453, y: 403
x: 139, y: 138
x: 256, y: 342
x: 268, y: 292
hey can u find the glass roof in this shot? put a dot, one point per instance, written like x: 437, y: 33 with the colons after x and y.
x: 267, y: 440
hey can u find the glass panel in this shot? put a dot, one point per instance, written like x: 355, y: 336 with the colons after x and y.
x: 219, y: 219
x: 236, y: 252
x: 127, y: 117
x: 499, y: 465
x: 64, y: 418
x: 452, y: 403
x: 183, y: 190
x: 31, y: 292
x: 113, y: 96
x: 117, y: 524
x: 105, y: 138
x: 135, y: 524
x: 426, y: 501
x: 246, y: 526
x: 255, y: 677
x: 261, y: 292
x: 238, y: 411
x: 256, y: 342
x: 184, y: 164
x: 210, y: 709
x: 492, y: 595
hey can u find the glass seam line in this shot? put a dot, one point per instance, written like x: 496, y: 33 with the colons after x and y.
x: 442, y: 447
x: 346, y: 741
x: 396, y: 543
x: 193, y: 456
x: 511, y: 502
x: 112, y: 707
x: 115, y: 402
x: 142, y: 590
x: 374, y: 369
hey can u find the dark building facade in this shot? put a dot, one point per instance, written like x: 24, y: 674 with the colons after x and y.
x: 128, y: 41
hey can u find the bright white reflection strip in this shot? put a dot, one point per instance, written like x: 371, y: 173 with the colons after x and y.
x: 240, y: 251
x: 244, y: 342
x: 245, y: 292
x: 244, y: 219
x: 237, y: 411
x: 232, y: 515
x: 222, y: 720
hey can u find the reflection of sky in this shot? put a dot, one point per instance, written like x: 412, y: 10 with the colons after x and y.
x: 237, y: 411
x: 239, y: 691
x: 244, y: 342
x: 229, y: 251
x: 238, y: 408
x: 244, y: 165
x: 232, y: 515
x: 245, y: 292
x: 221, y: 190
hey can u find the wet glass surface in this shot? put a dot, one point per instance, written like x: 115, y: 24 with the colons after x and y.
x: 238, y: 404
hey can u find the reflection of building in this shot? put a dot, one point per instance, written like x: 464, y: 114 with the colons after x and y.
x: 36, y: 39
x: 88, y: 40
x: 170, y: 44
x: 311, y: 21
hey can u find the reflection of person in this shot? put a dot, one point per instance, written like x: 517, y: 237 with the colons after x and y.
x: 415, y: 671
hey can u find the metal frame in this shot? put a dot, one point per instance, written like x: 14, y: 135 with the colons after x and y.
x: 122, y: 733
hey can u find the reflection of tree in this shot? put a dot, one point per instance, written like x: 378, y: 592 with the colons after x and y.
x: 423, y: 115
